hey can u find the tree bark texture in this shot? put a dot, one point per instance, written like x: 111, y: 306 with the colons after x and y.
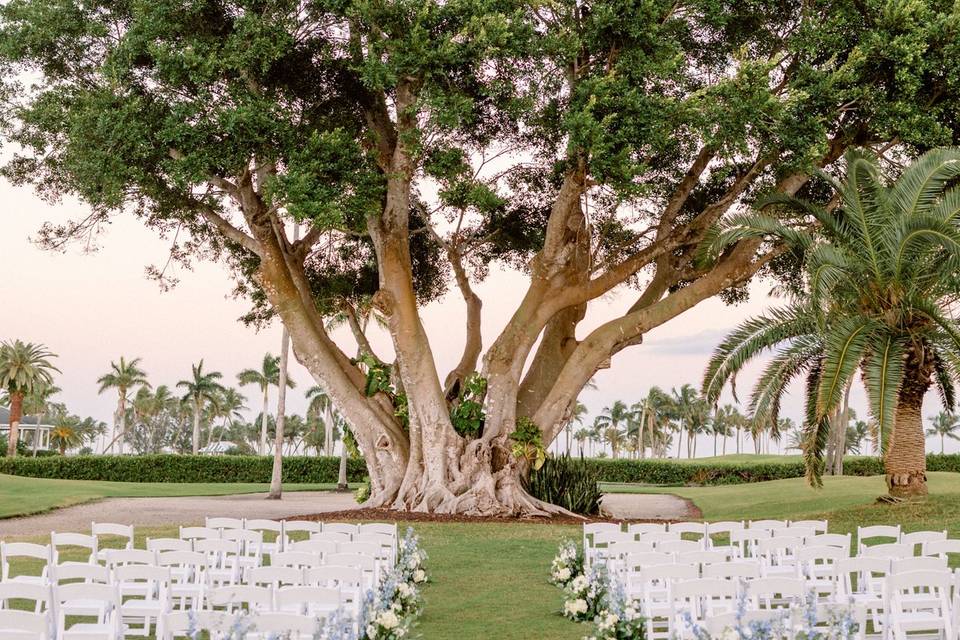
x: 906, y: 462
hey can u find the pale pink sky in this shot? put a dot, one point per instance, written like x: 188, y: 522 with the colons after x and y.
x: 90, y: 308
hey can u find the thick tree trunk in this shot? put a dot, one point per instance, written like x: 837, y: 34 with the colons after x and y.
x: 16, y: 413
x: 276, y: 476
x: 905, y: 462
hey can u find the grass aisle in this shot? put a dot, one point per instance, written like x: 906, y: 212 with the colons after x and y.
x: 489, y: 581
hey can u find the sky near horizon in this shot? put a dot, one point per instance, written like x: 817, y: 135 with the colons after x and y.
x: 91, y: 307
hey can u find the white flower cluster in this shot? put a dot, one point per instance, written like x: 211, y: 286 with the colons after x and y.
x: 391, y: 612
x: 584, y: 594
x: 567, y: 564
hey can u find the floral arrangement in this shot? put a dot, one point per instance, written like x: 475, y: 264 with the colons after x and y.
x: 617, y: 619
x: 567, y: 565
x: 584, y: 594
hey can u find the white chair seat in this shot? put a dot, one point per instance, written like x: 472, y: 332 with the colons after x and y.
x: 89, y: 631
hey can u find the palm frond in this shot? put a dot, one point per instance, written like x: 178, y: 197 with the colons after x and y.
x: 816, y: 429
x: 844, y: 347
x: 789, y: 362
x: 923, y: 181
x: 883, y: 374
x: 745, y: 226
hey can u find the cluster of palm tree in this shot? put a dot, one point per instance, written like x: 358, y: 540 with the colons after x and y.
x: 657, y: 421
x: 873, y: 300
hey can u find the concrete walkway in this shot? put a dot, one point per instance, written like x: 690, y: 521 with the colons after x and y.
x: 648, y: 506
x: 172, y: 511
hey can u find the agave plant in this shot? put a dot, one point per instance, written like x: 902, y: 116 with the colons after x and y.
x: 880, y: 270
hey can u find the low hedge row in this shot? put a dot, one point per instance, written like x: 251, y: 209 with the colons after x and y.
x: 667, y: 472
x: 182, y: 468
x: 303, y: 469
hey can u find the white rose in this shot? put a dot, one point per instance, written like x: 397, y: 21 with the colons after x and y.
x: 563, y: 575
x: 579, y: 583
x: 629, y: 613
x: 388, y: 619
x: 404, y: 589
x: 371, y: 631
x: 401, y: 632
x: 419, y: 576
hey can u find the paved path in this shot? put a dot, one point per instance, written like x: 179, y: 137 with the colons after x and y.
x: 647, y: 506
x: 165, y: 511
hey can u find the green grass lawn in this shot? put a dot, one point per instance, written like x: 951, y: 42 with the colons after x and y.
x: 23, y: 496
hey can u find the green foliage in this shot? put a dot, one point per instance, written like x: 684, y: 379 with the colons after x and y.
x: 467, y: 414
x: 183, y: 468
x: 567, y: 482
x: 528, y: 443
x: 362, y: 494
x: 379, y: 380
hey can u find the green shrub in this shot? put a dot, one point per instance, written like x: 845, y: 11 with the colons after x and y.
x: 568, y: 483
x: 182, y: 468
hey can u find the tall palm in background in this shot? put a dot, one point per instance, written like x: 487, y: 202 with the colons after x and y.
x: 267, y: 376
x: 24, y: 368
x: 945, y: 425
x: 722, y: 424
x: 879, y: 276
x: 230, y: 405
x: 858, y: 433
x: 321, y: 405
x: 577, y: 417
x: 123, y: 376
x: 37, y: 403
x: 610, y: 425
x: 201, y: 388
x: 692, y: 414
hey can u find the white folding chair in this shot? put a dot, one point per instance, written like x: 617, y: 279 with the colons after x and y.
x: 332, y: 536
x: 121, y: 557
x: 603, y: 542
x: 802, y: 533
x: 341, y: 527
x: 647, y: 527
x: 322, y: 548
x: 630, y: 565
x: 308, y: 600
x: 111, y: 530
x: 860, y: 581
x: 79, y: 572
x: 144, y: 593
x: 721, y: 529
x: 590, y: 530
x: 80, y: 542
x: 24, y: 625
x: 778, y: 556
x: 923, y: 563
x: 349, y: 581
x: 222, y: 523
x: 251, y: 547
x: 272, y: 531
x: 922, y: 537
x: 703, y: 558
x: 876, y: 533
x: 199, y: 533
x: 769, y: 525
x: 839, y: 540
x: 270, y: 625
x: 188, y: 577
x: 702, y: 598
x: 652, y: 587
x: 614, y: 554
x: 378, y: 527
x: 941, y: 548
x: 273, y: 576
x: 367, y: 564
x: 237, y: 598
x: 169, y: 544
x: 11, y: 550
x: 744, y: 541
x: 696, y: 531
x: 177, y: 624
x: 295, y: 530
x: 386, y: 543
x: 889, y: 550
x: 919, y: 601
x: 818, y: 566
x: 679, y: 546
x: 37, y: 594
x: 775, y: 592
x: 82, y: 598
x: 223, y: 566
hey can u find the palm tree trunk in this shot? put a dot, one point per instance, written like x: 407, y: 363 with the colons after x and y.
x: 196, y: 426
x: 342, y: 474
x: 262, y: 448
x: 906, y: 463
x: 16, y: 413
x: 715, y: 444
x: 276, y: 477
x: 36, y: 433
x: 943, y: 445
x: 122, y: 408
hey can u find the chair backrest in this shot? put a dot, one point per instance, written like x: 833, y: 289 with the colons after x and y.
x: 117, y: 557
x: 656, y: 537
x: 669, y: 572
x: 733, y: 571
x: 169, y: 544
x: 646, y: 527
x: 75, y: 540
x: 301, y: 526
x: 241, y: 596
x: 703, y: 558
x: 591, y: 529
x: 142, y: 580
x: 778, y: 548
x: 924, y: 563
x: 635, y: 562
x: 803, y: 533
x: 79, y: 572
x: 679, y: 546
x: 922, y: 537
x: 36, y: 593
x: 932, y: 585
x: 825, y: 553
x: 221, y: 522
x: 767, y: 524
x: 691, y: 528
x: 216, y: 546
x: 360, y: 548
x: 23, y: 625
x: 177, y: 624
x: 860, y: 574
x: 340, y: 527
x: 9, y: 550
x: 322, y: 547
x: 724, y: 526
x: 889, y: 550
x: 251, y: 542
x: 745, y: 540
x: 334, y: 576
x: 702, y: 588
x: 840, y: 540
x: 188, y: 566
x: 199, y: 533
x: 378, y: 527
x: 308, y: 599
x: 275, y: 576
x: 86, y: 592
x: 280, y: 624
x: 332, y: 536
x: 125, y: 531
x: 298, y: 559
x: 775, y: 591
x: 941, y: 548
x: 262, y: 524
x: 819, y: 526
x: 877, y: 531
x: 621, y: 549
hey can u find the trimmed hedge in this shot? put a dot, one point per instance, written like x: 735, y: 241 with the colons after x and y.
x: 182, y: 468
x: 677, y: 473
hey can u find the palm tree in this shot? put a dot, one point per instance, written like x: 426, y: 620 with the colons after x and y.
x: 858, y: 432
x: 576, y: 416
x: 37, y: 403
x: 321, y: 404
x: 722, y: 424
x: 945, y: 424
x: 878, y: 279
x: 692, y: 412
x: 65, y: 433
x: 24, y: 368
x: 268, y: 375
x: 581, y: 436
x: 123, y: 377
x: 201, y: 388
x: 608, y: 423
x: 230, y: 405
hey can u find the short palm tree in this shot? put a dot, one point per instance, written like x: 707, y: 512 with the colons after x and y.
x: 576, y: 417
x: 581, y: 436
x: 24, y: 368
x: 123, y: 376
x: 945, y: 424
x: 266, y: 376
x: 879, y: 272
x: 320, y: 404
x: 693, y: 414
x: 609, y: 422
x: 201, y: 388
x: 722, y: 425
x: 66, y: 433
x: 230, y: 405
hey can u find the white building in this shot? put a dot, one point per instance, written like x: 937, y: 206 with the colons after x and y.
x: 29, y: 429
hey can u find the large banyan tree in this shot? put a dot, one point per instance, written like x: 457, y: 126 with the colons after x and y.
x: 417, y: 144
